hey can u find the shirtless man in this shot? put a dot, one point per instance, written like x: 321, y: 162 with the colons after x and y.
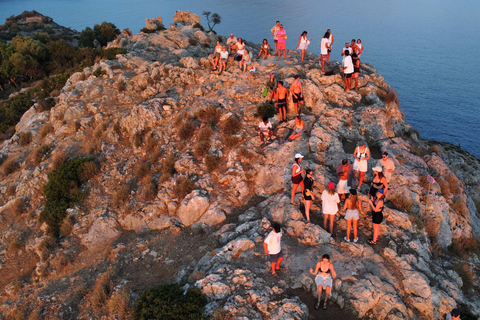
x: 297, y: 94
x: 330, y: 39
x: 274, y: 30
x: 282, y: 96
x: 353, y: 46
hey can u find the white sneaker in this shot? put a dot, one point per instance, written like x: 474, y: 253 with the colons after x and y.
x: 345, y: 238
x: 355, y: 240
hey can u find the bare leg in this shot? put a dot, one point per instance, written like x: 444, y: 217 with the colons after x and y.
x: 376, y: 231
x: 325, y: 219
x: 323, y: 66
x: 283, y: 53
x: 327, y: 293
x: 320, y: 289
x: 332, y: 218
x: 360, y: 180
x: 295, y: 186
x: 284, y: 113
x: 273, y: 268
x: 349, y: 227
x: 278, y: 262
x: 308, y: 204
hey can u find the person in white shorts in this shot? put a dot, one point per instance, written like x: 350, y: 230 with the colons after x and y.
x: 330, y: 201
x: 324, y: 273
x: 343, y: 171
x: 352, y: 209
x: 361, y: 154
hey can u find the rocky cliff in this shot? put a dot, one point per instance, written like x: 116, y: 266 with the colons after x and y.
x: 185, y: 193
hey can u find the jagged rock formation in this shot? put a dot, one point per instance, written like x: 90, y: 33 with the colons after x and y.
x: 149, y: 108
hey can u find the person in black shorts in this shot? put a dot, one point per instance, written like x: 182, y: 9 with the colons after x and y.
x: 282, y: 96
x: 308, y: 192
x: 377, y: 214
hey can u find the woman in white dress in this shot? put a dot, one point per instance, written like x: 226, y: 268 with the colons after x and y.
x: 303, y: 43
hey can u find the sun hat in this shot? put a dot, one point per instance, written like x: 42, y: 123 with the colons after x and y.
x: 298, y: 155
x: 378, y: 169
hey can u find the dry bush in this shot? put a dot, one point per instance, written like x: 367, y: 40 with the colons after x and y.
x: 150, y: 190
x: 121, y: 195
x: 192, y: 42
x: 444, y: 186
x: 210, y: 115
x: 94, y: 147
x: 46, y: 247
x: 460, y: 207
x: 465, y: 246
x: 77, y: 125
x: 232, y: 125
x: 222, y: 314
x: 46, y: 129
x: 14, y: 246
x: 201, y: 148
x: 39, y: 153
x: 9, y: 166
x: 87, y: 171
x: 121, y: 86
x: 141, y: 170
x: 18, y: 206
x: 212, y: 162
x: 432, y: 229
x: 183, y: 187
x: 151, y: 142
x: 436, y: 150
x: 454, y: 183
x: 168, y: 165
x: 119, y: 305
x: 117, y: 128
x: 138, y: 139
x: 418, y: 150
x: 391, y: 96
x: 58, y: 159
x: 67, y: 226
x: 417, y: 220
x: 245, y: 153
x: 142, y: 87
x: 25, y: 138
x: 402, y: 203
x: 466, y: 273
x: 230, y: 141
x: 423, y: 181
x: 102, y: 289
x: 186, y: 130
x: 155, y: 156
x: 205, y: 133
x: 11, y: 190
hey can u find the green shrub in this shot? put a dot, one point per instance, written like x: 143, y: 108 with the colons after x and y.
x: 146, y: 30
x: 99, y: 72
x: 168, y: 302
x: 211, y: 161
x: 111, y: 53
x: 266, y: 109
x: 62, y: 190
x: 198, y: 26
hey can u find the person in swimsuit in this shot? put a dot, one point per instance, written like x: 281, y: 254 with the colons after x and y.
x: 325, y: 50
x: 330, y: 39
x: 361, y: 154
x: 282, y: 46
x: 377, y: 215
x: 324, y: 272
x: 352, y: 208
x: 264, y: 49
x: 359, y: 48
x: 330, y: 201
x: 272, y: 84
x: 353, y: 46
x: 378, y: 182
x: 297, y: 178
x: 282, y: 96
x: 297, y: 94
x: 308, y: 192
x: 223, y: 60
x: 298, y: 129
x: 216, y: 55
x: 344, y: 171
x: 274, y: 30
x: 356, y: 69
x: 303, y: 43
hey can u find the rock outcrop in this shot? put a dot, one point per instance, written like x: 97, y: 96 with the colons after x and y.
x: 160, y: 107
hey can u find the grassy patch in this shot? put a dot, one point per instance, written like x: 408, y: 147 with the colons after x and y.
x: 183, y: 187
x: 186, y: 130
x: 212, y: 162
x: 201, y: 148
x: 9, y: 166
x: 121, y: 195
x: 25, y: 138
x: 210, y: 115
x: 18, y: 206
x: 102, y: 289
x: 39, y: 153
x: 230, y: 141
x: 402, y: 203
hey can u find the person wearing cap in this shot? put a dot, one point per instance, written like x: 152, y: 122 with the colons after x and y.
x: 330, y: 201
x: 453, y: 315
x: 297, y: 178
x: 352, y: 208
x: 361, y: 154
x: 378, y: 182
x: 231, y: 43
x: 388, y: 166
x: 377, y: 215
x: 344, y: 170
x: 272, y: 84
x: 297, y: 94
x: 308, y: 192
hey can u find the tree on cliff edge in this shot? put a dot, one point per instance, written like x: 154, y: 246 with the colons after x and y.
x: 103, y: 33
x: 212, y: 20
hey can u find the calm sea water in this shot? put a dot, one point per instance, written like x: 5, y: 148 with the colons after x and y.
x: 426, y: 50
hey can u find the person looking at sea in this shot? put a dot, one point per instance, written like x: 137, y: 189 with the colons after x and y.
x: 388, y: 166
x: 348, y: 70
x: 303, y: 43
x: 361, y: 154
x: 325, y: 48
x: 274, y: 31
x: 282, y: 46
x: 297, y: 94
x: 330, y: 39
x: 281, y: 97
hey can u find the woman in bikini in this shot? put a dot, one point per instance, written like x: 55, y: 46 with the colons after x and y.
x: 308, y: 192
x: 297, y: 178
x: 377, y: 215
x: 361, y: 154
x: 378, y: 182
x: 265, y: 49
x: 324, y: 272
x: 298, y: 129
x: 353, y: 207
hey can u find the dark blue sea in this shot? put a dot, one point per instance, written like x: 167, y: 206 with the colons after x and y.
x: 426, y: 50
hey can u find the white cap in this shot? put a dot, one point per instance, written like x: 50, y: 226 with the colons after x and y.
x: 378, y: 169
x: 298, y: 155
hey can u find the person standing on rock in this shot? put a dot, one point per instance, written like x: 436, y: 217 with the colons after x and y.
x: 308, y: 192
x: 348, y: 70
x: 377, y: 215
x: 272, y: 84
x: 378, y: 182
x: 343, y: 171
x: 297, y: 94
x: 352, y: 208
x: 282, y: 46
x: 324, y: 50
x: 281, y: 97
x: 273, y: 248
x: 330, y: 201
x: 359, y: 48
x: 324, y: 272
x: 330, y: 44
x: 387, y: 165
x: 274, y: 31
x: 303, y: 43
x: 361, y: 154
x: 297, y: 178
x: 356, y: 70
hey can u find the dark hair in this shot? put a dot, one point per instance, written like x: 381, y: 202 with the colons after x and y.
x: 326, y: 35
x: 265, y: 119
x: 359, y: 40
x: 304, y: 32
x: 385, y: 153
x: 380, y: 174
x: 354, y: 55
x: 344, y: 161
x: 297, y: 159
x: 326, y: 256
x: 280, y: 82
x: 278, y: 21
x: 265, y: 40
x: 298, y: 117
x: 308, y: 171
x: 347, y: 52
x: 353, y: 40
x: 276, y: 227
x: 296, y: 76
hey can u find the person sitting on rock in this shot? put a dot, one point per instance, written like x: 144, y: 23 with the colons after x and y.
x: 231, y: 43
x: 298, y: 129
x: 272, y: 86
x: 240, y: 47
x: 245, y: 61
x: 281, y: 97
x: 330, y: 201
x: 387, y: 165
x: 453, y: 315
x: 264, y: 49
x: 216, y: 55
x: 223, y: 60
x: 377, y: 215
x: 352, y: 208
x: 273, y: 248
x: 324, y: 272
x: 344, y: 170
x: 265, y: 128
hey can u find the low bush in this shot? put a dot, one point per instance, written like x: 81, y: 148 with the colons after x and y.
x: 266, y: 109
x: 58, y: 159
x: 465, y: 246
x: 121, y: 195
x: 201, y: 148
x: 444, y: 186
x: 67, y: 226
x: 245, y: 153
x: 14, y: 246
x: 417, y: 220
x: 102, y: 289
x: 39, y: 153
x: 45, y: 104
x: 205, y: 133
x: 99, y: 72
x: 402, y: 203
x: 391, y: 96
x: 87, y: 171
x: 454, y: 183
x: 149, y: 191
x: 168, y: 302
x: 25, y: 138
x: 211, y: 161
x: 210, y: 115
x: 230, y: 141
x: 232, y: 125
x: 423, y: 182
x: 141, y: 170
x: 121, y: 86
x: 18, y: 206
x: 62, y: 190
x: 183, y: 187
x: 11, y: 190
x: 9, y: 166
x: 186, y: 130
x: 466, y: 273
x: 151, y: 142
x: 138, y: 139
x: 459, y: 207
x: 119, y: 305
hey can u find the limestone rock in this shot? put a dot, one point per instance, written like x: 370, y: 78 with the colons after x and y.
x: 103, y: 230
x: 192, y: 207
x: 153, y: 23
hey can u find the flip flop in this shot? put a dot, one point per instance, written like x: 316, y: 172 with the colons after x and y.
x: 371, y: 242
x: 317, y: 305
x: 294, y: 203
x: 281, y: 269
x: 325, y: 305
x: 275, y: 275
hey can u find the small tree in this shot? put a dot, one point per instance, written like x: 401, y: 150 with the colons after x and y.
x: 212, y: 20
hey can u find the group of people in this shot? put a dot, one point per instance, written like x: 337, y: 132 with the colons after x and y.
x: 236, y: 47
x: 351, y: 63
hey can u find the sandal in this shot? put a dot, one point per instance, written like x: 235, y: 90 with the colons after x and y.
x: 325, y: 305
x: 317, y: 305
x: 295, y: 204
x: 281, y: 269
x: 371, y: 242
x: 275, y: 275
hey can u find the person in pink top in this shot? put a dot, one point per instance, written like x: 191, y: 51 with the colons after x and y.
x: 282, y: 46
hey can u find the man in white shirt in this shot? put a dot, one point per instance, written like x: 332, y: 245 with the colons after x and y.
x: 387, y: 165
x: 324, y: 50
x: 273, y: 248
x: 274, y: 30
x: 330, y: 39
x: 347, y: 70
x: 231, y: 42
